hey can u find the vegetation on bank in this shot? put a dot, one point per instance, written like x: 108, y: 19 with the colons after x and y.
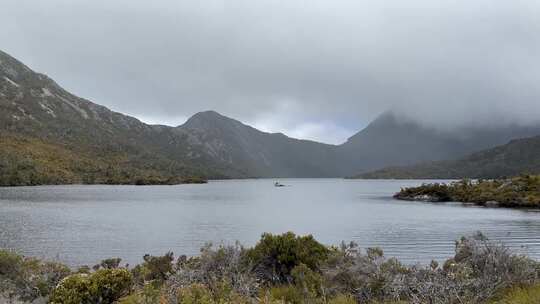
x: 516, y: 157
x: 281, y: 269
x: 28, y: 161
x: 521, y: 191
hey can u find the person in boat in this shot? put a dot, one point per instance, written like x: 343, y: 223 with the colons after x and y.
x: 277, y: 184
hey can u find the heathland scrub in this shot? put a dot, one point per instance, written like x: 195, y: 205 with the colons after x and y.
x: 522, y: 191
x: 280, y: 269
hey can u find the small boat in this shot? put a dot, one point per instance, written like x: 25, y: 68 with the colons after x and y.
x: 277, y: 184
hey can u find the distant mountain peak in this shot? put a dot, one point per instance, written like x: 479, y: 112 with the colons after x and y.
x: 210, y: 120
x: 208, y: 114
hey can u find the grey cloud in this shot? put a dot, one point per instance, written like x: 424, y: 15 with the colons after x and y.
x: 314, y: 69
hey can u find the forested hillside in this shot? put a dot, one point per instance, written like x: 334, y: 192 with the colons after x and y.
x: 516, y: 157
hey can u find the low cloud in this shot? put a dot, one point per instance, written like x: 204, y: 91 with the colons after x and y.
x: 313, y: 69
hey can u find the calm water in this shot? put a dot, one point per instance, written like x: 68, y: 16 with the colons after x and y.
x: 84, y: 224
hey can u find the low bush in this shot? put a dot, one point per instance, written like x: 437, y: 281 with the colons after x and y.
x: 101, y: 287
x: 28, y: 279
x: 275, y: 256
x: 154, y: 268
x: 201, y: 294
x: 110, y: 263
x: 521, y: 295
x: 149, y: 294
x: 481, y: 271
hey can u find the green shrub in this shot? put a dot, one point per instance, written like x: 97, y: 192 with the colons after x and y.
x: 28, y: 278
x: 73, y: 289
x: 308, y: 281
x: 342, y: 299
x: 104, y: 286
x: 10, y: 263
x: 83, y: 269
x: 275, y: 256
x: 154, y: 268
x: 520, y: 191
x: 158, y: 267
x: 521, y: 295
x: 48, y: 275
x: 149, y: 294
x: 195, y: 294
x: 287, y: 293
x: 110, y: 263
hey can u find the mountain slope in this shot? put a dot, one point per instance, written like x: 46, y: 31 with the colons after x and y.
x: 516, y: 157
x: 47, y: 127
x: 393, y: 141
x: 36, y: 111
x: 260, y: 153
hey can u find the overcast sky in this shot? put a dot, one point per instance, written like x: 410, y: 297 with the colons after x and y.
x: 310, y: 69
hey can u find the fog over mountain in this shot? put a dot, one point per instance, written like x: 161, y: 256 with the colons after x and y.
x: 50, y: 136
x: 319, y: 70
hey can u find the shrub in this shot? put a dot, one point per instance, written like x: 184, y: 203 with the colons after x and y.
x: 521, y: 295
x: 154, y: 268
x: 287, y: 293
x: 83, y: 269
x: 275, y: 256
x: 223, y: 270
x: 342, y: 299
x: 149, y: 294
x: 104, y: 286
x: 73, y: 289
x: 195, y: 294
x: 108, y: 263
x: 308, y: 281
x: 159, y: 267
x: 10, y: 263
x: 27, y: 278
x: 480, y: 271
x: 48, y: 275
x: 520, y: 191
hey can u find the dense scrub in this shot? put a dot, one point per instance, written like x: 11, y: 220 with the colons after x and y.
x: 521, y: 191
x: 26, y: 161
x: 282, y: 269
x: 27, y: 279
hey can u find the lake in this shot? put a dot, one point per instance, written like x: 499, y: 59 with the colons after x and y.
x: 84, y: 224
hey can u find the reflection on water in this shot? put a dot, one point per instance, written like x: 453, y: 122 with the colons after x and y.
x: 84, y: 224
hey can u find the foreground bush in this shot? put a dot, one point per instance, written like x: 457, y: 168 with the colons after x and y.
x: 521, y: 295
x: 154, y: 268
x: 101, y: 287
x: 28, y: 279
x: 275, y: 256
x: 283, y: 269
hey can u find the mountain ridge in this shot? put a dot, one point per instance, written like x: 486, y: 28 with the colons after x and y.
x: 34, y: 107
x: 391, y: 141
x: 516, y: 157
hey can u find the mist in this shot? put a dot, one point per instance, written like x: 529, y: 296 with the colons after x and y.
x: 314, y: 69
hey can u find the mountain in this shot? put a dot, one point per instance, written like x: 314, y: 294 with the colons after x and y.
x: 258, y: 153
x: 50, y: 136
x: 516, y: 157
x: 391, y: 140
